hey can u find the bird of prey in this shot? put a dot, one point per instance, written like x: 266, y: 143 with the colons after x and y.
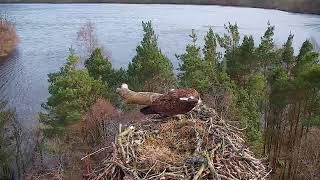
x: 175, y: 102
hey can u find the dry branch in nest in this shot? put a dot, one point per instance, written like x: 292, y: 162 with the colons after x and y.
x: 201, y: 145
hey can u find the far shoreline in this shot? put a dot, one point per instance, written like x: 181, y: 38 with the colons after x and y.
x: 314, y: 11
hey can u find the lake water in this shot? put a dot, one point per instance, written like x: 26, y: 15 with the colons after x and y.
x: 48, y: 30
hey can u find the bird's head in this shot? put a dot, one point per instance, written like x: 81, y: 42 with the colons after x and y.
x: 124, y: 86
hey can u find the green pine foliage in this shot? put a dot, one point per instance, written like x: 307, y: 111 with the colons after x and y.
x: 150, y: 69
x: 266, y: 51
x: 287, y: 56
x: 100, y: 68
x: 194, y: 70
x: 242, y: 63
x: 72, y: 92
x: 211, y: 56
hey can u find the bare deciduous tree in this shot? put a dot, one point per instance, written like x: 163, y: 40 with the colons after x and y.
x: 87, y: 37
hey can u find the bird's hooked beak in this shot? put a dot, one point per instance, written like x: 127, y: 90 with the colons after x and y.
x: 192, y: 98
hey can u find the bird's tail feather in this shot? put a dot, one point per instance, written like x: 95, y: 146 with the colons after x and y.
x: 147, y: 110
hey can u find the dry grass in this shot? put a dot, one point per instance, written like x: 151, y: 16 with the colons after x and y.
x: 8, y: 36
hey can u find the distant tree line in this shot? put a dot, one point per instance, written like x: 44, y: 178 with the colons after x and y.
x: 302, y: 6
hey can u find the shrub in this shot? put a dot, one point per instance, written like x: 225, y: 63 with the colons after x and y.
x: 8, y: 36
x: 100, y: 114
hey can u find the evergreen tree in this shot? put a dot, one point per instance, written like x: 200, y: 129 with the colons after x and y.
x: 72, y: 92
x: 306, y: 58
x: 287, y: 56
x: 98, y: 66
x: 231, y: 39
x: 306, y: 48
x: 294, y: 98
x: 266, y: 52
x: 230, y: 43
x: 150, y: 70
x: 240, y: 66
x: 211, y: 57
x: 248, y: 109
x: 194, y: 70
x: 117, y: 77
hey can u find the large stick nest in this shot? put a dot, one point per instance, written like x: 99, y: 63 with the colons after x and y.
x: 200, y: 145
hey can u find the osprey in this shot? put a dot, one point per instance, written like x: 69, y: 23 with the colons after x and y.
x: 176, y: 101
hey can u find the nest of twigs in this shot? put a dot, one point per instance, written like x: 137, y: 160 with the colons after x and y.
x: 199, y: 145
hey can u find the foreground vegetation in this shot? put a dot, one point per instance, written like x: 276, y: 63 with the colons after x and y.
x: 301, y: 6
x: 8, y: 36
x: 271, y: 93
x: 15, y: 141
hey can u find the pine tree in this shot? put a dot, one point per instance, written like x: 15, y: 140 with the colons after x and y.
x: 193, y: 68
x: 242, y: 63
x: 98, y: 66
x: 150, y: 70
x: 72, y: 92
x: 230, y: 43
x: 287, y: 56
x: 230, y: 40
x: 306, y: 48
x: 306, y: 58
x: 266, y: 52
x: 211, y: 57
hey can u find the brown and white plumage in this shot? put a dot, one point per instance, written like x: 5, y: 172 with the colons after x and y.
x: 176, y: 101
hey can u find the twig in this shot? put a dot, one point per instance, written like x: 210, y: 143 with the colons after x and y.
x: 197, y: 176
x: 97, y: 151
x: 211, y: 166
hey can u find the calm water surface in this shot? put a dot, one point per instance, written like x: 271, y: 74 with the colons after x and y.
x: 48, y: 30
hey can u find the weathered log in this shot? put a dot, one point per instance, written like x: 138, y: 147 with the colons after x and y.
x: 140, y: 98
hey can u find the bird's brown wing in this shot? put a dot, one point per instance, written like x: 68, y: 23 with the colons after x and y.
x: 159, y: 106
x: 170, y: 103
x: 164, y: 104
